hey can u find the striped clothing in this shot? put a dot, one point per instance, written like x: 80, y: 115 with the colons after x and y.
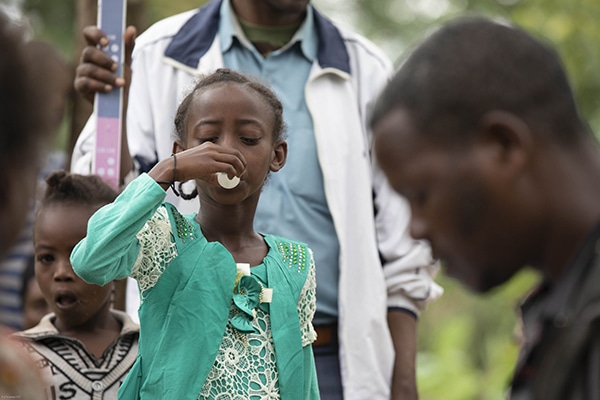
x: 71, y: 372
x: 11, y: 277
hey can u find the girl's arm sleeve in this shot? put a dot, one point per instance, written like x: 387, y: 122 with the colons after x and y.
x: 111, y: 247
x: 307, y: 304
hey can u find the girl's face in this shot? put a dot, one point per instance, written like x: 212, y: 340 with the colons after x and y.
x: 58, y: 228
x: 236, y: 117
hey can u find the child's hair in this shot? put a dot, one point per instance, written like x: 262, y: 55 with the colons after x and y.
x: 222, y: 76
x: 65, y: 188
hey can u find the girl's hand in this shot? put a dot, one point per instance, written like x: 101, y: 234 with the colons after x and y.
x: 200, y: 162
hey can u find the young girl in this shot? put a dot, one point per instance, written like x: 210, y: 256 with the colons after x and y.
x: 210, y: 328
x: 84, y: 348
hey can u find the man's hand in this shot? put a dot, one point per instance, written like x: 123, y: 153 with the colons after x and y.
x: 96, y: 70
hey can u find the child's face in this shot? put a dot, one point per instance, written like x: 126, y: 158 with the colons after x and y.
x: 58, y: 228
x: 236, y: 117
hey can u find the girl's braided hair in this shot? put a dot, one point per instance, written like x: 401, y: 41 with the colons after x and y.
x: 65, y: 188
x: 221, y: 76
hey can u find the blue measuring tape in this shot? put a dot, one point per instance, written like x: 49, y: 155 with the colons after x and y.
x: 108, y: 106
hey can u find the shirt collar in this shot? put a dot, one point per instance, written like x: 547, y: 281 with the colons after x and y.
x: 555, y: 299
x: 195, y: 37
x: 45, y: 328
x: 307, y: 36
x: 230, y: 28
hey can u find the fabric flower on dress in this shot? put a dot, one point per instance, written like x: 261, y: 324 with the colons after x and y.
x: 246, y: 296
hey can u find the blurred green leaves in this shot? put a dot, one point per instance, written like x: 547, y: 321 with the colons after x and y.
x: 160, y: 8
x: 570, y: 25
x: 468, y: 343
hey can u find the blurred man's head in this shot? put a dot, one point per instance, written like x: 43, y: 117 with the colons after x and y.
x: 34, y: 82
x: 20, y: 130
x: 459, y: 132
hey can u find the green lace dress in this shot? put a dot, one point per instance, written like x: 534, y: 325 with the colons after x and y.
x: 208, y: 330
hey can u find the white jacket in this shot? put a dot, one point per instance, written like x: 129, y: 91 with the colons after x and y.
x: 345, y: 79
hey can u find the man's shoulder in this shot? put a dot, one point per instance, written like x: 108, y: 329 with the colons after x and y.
x: 163, y: 30
x: 363, y: 48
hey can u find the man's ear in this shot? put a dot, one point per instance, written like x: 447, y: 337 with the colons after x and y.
x: 177, y: 147
x: 505, y: 139
x: 279, y: 155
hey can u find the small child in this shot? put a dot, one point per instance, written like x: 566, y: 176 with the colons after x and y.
x: 210, y: 328
x: 84, y: 348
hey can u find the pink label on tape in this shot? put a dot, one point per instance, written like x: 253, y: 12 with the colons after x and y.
x: 106, y: 157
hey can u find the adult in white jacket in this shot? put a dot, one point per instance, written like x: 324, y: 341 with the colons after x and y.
x: 383, y: 278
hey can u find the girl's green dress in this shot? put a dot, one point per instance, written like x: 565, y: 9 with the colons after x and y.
x: 208, y: 331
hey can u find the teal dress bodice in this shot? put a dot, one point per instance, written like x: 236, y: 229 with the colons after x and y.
x: 184, y: 314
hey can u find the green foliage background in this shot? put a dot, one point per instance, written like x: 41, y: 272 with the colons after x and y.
x: 467, y: 343
x: 570, y: 25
